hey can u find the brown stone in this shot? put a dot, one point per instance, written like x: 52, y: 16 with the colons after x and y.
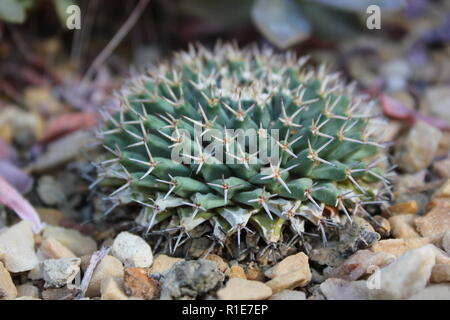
x: 440, y: 273
x: 72, y: 239
x: 254, y: 273
x: 221, y: 264
x: 289, y: 264
x: 435, y: 221
x: 360, y: 264
x: 137, y: 283
x: 237, y: 272
x: 403, y: 226
x: 163, y: 263
x: 53, y: 249
x: 382, y: 226
x: 291, y: 280
x: 408, y: 207
x: 240, y: 289
x: 112, y: 289
x: 8, y: 290
x: 109, y: 267
x: 397, y: 247
x: 50, y: 216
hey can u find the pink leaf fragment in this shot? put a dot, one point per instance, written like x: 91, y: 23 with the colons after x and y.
x: 12, y: 199
x: 394, y: 109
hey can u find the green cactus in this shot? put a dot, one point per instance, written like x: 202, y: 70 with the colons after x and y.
x: 321, y: 152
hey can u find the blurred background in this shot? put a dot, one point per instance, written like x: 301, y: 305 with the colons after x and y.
x: 53, y: 79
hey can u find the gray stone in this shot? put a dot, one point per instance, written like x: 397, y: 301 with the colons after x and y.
x: 132, y: 250
x: 59, y: 272
x: 340, y: 289
x: 289, y: 295
x: 189, y: 279
x: 418, y: 148
x: 433, y: 292
x: 404, y: 277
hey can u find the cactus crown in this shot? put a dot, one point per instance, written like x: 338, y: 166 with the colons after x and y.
x: 178, y: 122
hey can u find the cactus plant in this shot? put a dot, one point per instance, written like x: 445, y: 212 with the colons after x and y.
x: 321, y: 164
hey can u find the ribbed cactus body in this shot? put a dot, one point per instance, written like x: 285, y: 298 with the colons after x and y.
x: 241, y: 139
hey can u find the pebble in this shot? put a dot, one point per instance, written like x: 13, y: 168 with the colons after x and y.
x: 163, y: 263
x: 438, y: 102
x: 403, y: 226
x: 433, y: 292
x: 112, y: 289
x: 382, y: 226
x: 418, y: 148
x: 253, y: 272
x: 59, y: 272
x: 397, y: 247
x: 189, y: 279
x: 289, y: 264
x: 27, y: 298
x: 137, y: 283
x: 237, y: 272
x: 108, y: 267
x: 221, y: 264
x: 61, y: 151
x: 132, y: 250
x: 79, y: 244
x: 289, y: 295
x: 53, y: 249
x: 396, y: 73
x: 291, y: 280
x: 8, y: 290
x: 64, y: 293
x: 340, y: 289
x: 50, y: 190
x: 435, y: 221
x: 27, y: 290
x: 443, y: 191
x: 241, y: 289
x: 17, y: 247
x: 444, y: 145
x: 27, y: 126
x: 360, y: 264
x: 406, y: 276
x: 446, y: 242
x: 405, y: 183
x: 50, y: 216
x: 441, y: 168
x: 440, y: 273
x: 403, y: 208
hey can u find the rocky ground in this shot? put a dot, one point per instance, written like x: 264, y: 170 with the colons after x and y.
x: 83, y: 253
